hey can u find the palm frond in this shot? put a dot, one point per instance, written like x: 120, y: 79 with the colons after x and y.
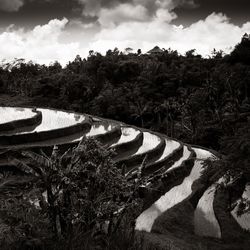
x: 38, y: 159
x: 43, y: 154
x: 23, y: 167
x: 14, y: 183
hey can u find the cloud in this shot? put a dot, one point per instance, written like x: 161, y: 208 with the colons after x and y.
x: 93, y: 7
x: 146, y: 23
x: 115, y: 12
x: 119, y: 27
x: 97, y: 7
x: 11, y: 5
x: 215, y: 31
x: 40, y: 44
x: 121, y: 14
x: 15, y: 5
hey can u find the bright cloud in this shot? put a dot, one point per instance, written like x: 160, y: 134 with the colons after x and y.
x: 121, y: 26
x: 40, y: 44
x: 215, y: 31
x: 146, y: 23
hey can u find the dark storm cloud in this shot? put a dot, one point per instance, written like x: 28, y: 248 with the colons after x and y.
x: 9, y: 6
x: 237, y: 10
x: 93, y: 7
x: 29, y: 13
x: 34, y: 12
x: 15, y: 5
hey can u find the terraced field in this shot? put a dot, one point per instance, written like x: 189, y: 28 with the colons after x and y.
x: 11, y: 114
x: 176, y: 167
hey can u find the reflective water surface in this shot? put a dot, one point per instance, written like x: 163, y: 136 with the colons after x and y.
x: 128, y: 134
x: 186, y: 154
x: 171, y: 145
x: 52, y: 119
x: 8, y: 114
x: 100, y: 128
x: 174, y: 196
x: 205, y: 221
x: 150, y: 141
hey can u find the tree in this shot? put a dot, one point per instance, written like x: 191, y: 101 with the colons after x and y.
x: 217, y: 54
x: 128, y: 51
x: 190, y: 53
x: 241, y: 52
x: 80, y: 190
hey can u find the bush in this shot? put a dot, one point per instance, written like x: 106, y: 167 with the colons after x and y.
x: 78, y: 200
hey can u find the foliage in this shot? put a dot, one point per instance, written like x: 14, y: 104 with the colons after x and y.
x: 78, y: 195
x: 73, y: 196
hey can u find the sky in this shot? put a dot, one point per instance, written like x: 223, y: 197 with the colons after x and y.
x: 57, y: 30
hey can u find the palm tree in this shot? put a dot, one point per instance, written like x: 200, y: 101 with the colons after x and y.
x: 80, y: 188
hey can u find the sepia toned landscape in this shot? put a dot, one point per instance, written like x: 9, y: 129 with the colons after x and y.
x: 124, y: 142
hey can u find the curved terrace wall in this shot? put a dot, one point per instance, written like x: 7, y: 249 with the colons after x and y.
x: 10, y: 140
x: 128, y: 146
x: 44, y: 135
x: 173, y: 178
x: 152, y: 154
x: 110, y: 136
x: 166, y: 162
x: 20, y: 123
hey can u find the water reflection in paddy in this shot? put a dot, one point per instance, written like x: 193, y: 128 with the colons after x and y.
x: 128, y: 134
x: 100, y: 128
x: 171, y: 145
x: 205, y: 221
x: 185, y: 156
x: 174, y: 196
x: 8, y: 114
x: 150, y: 141
x: 52, y: 119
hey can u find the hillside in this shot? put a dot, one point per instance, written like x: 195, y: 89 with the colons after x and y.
x: 153, y: 146
x: 186, y: 203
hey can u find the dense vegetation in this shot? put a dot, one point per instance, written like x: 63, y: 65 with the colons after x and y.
x: 198, y: 100
x: 195, y: 99
x: 78, y: 200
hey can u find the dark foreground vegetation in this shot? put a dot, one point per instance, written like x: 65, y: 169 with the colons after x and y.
x: 203, y: 101
x: 78, y: 200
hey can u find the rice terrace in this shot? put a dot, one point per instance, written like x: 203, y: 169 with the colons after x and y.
x: 124, y: 125
x: 172, y: 168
